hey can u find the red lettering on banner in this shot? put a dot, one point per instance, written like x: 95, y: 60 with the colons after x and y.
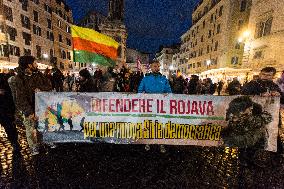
x: 142, y: 107
x: 188, y: 107
x: 149, y: 105
x: 111, y: 104
x: 210, y: 108
x: 96, y: 105
x: 158, y: 105
x: 127, y: 105
x: 194, y: 108
x: 134, y: 105
x: 162, y: 107
x: 119, y: 105
x: 173, y: 106
x: 202, y: 109
x: 181, y: 107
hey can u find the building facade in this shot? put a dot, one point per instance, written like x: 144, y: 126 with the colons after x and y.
x: 165, y: 57
x: 114, y: 27
x: 264, y: 45
x: 40, y: 28
x: 93, y: 20
x: 132, y: 57
x: 214, y: 40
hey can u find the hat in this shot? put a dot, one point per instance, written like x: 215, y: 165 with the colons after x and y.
x: 24, y: 61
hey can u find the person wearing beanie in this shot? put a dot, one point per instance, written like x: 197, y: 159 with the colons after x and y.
x: 28, y: 81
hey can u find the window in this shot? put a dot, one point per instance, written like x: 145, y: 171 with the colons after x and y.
x: 235, y: 60
x: 257, y: 55
x: 14, y: 50
x: 27, y: 37
x: 60, y: 38
x: 35, y: 16
x: 68, y: 41
x: 263, y: 28
x: 38, y: 51
x: 63, y: 54
x: 218, y: 28
x: 12, y: 33
x: 193, y: 65
x: 27, y: 52
x: 47, y: 8
x: 1, y: 28
x: 8, y: 13
x: 243, y: 5
x: 49, y: 23
x: 25, y: 4
x: 59, y: 24
x: 4, y: 50
x: 36, y: 1
x: 241, y: 23
x: 209, y: 33
x: 62, y: 65
x: 202, y: 38
x: 212, y: 17
x: 51, y: 52
x: 68, y: 55
x: 37, y: 30
x: 25, y: 22
x: 208, y: 49
x: 204, y: 24
x: 238, y: 45
x: 221, y: 11
x: 216, y: 46
x: 48, y: 33
x: 68, y: 29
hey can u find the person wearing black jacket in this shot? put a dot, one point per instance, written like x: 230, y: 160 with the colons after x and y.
x: 7, y: 111
x: 87, y: 83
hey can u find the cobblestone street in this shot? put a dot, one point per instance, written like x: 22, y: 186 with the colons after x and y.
x: 130, y: 166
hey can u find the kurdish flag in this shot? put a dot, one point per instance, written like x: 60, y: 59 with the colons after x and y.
x: 91, y: 46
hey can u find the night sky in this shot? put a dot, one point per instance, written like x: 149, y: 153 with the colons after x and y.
x: 150, y: 23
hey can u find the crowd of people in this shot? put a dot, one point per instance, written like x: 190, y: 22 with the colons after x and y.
x: 18, y: 87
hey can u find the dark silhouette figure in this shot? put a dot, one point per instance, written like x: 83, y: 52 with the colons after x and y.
x: 60, y: 122
x: 69, y: 121
x: 82, y: 124
x: 46, y: 122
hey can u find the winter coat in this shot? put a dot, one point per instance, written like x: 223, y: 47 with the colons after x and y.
x: 154, y: 83
x: 178, y: 85
x: 259, y: 86
x: 234, y: 88
x: 25, y: 90
x: 89, y: 85
x: 7, y: 106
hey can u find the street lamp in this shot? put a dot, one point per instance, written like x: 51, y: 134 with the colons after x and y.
x: 171, y: 67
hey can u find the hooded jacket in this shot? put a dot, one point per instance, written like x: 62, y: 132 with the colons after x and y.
x: 154, y: 83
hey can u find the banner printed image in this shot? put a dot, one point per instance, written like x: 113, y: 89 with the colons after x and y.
x: 246, y: 124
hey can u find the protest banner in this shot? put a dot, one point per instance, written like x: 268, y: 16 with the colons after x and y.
x: 171, y: 119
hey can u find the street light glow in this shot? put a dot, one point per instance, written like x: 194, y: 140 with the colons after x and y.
x: 45, y: 55
x: 240, y: 40
x: 171, y: 67
x: 208, y: 62
x: 246, y: 34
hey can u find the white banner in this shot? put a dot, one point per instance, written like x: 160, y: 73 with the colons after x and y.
x: 159, y: 119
